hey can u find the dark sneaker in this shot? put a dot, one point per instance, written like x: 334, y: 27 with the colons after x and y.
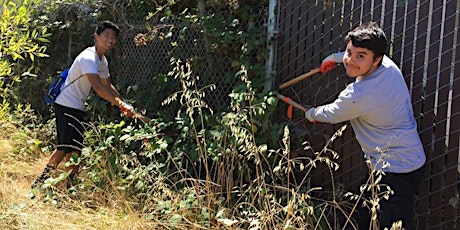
x: 45, y: 175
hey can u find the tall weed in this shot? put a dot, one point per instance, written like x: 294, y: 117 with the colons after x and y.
x: 225, y: 171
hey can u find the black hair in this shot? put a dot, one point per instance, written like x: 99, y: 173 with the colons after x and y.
x: 369, y: 36
x: 101, y: 26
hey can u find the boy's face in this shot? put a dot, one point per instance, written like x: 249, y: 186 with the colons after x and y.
x: 107, y: 39
x: 359, y: 62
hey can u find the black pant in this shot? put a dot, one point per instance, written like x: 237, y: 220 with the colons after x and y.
x: 400, y: 205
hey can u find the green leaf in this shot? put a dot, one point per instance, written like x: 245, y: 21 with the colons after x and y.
x: 272, y: 101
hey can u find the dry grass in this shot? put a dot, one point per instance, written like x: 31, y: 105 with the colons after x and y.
x: 18, y: 211
x: 111, y: 210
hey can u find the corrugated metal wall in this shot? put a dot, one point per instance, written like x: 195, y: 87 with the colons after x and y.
x: 425, y: 41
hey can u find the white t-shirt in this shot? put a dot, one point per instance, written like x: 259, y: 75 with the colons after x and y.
x: 87, y: 62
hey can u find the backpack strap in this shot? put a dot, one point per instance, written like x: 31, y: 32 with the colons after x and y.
x: 65, y: 86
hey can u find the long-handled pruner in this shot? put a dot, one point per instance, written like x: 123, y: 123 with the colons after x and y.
x: 142, y: 117
x: 323, y: 69
x: 291, y: 104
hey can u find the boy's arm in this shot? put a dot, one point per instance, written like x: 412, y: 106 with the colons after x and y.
x: 104, y: 88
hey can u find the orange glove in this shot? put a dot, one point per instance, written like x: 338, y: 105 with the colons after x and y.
x: 327, y: 66
x: 331, y: 61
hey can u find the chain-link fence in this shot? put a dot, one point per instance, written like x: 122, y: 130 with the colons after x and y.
x: 143, y: 60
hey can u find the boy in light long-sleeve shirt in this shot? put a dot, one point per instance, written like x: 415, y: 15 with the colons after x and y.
x: 379, y: 109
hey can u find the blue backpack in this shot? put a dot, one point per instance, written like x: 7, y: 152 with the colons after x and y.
x: 55, y: 88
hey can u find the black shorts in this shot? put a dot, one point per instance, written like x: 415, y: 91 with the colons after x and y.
x: 69, y: 127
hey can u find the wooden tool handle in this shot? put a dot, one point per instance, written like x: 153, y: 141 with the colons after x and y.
x: 291, y: 102
x: 299, y: 78
x: 142, y: 117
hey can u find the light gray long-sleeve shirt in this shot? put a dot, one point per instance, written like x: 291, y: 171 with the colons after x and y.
x: 380, y: 111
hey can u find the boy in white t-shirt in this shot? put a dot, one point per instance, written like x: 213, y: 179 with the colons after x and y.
x: 88, y: 71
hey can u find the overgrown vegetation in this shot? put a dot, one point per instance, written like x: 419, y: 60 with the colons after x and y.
x: 22, y: 42
x: 207, y: 168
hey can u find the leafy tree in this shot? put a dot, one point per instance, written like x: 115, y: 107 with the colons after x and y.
x: 21, y: 43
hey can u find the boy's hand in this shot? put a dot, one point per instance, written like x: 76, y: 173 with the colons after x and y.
x: 308, y: 115
x: 331, y: 61
x: 127, y: 109
x: 327, y: 66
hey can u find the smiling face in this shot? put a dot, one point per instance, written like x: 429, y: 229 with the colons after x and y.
x: 360, y: 62
x: 106, y: 40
